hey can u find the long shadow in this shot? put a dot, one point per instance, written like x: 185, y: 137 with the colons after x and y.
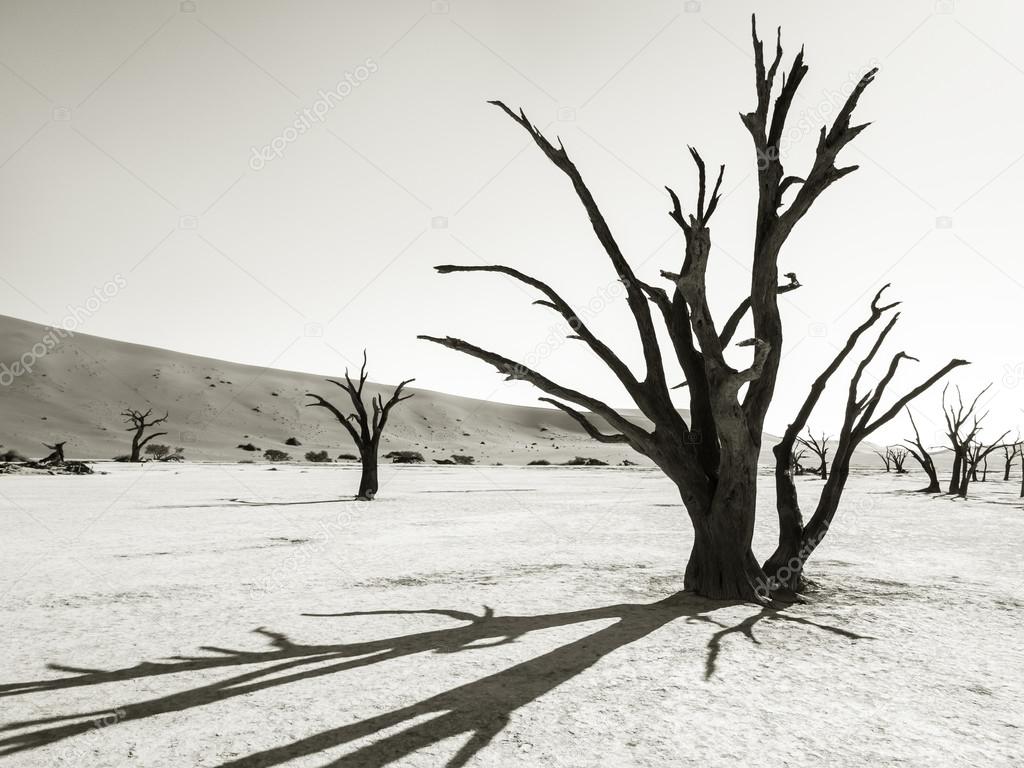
x: 244, y: 503
x: 479, y: 709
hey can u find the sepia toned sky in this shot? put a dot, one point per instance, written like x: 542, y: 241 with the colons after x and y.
x: 271, y: 182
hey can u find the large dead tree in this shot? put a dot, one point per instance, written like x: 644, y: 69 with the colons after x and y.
x: 923, y: 457
x: 819, y: 447
x: 364, y: 429
x: 138, y: 422
x: 962, y: 426
x: 712, y: 459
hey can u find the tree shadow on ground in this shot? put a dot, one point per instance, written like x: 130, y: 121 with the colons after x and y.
x: 479, y: 709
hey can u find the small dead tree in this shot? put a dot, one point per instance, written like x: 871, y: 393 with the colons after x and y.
x: 57, y: 453
x: 976, y: 456
x: 1010, y: 452
x: 138, y: 422
x: 819, y: 447
x: 365, y: 430
x: 924, y: 458
x: 886, y: 458
x: 898, y: 455
x: 796, y: 461
x: 960, y: 433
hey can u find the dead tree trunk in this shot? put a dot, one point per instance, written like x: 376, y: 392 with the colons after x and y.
x: 713, y: 458
x: 364, y: 429
x: 922, y: 457
x: 138, y: 423
x: 1010, y: 452
x: 819, y: 447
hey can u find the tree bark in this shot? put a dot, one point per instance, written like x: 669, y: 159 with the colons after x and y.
x: 368, y: 478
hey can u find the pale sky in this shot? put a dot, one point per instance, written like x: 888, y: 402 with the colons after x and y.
x: 127, y: 136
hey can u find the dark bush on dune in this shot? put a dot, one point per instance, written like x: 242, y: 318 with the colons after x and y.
x: 248, y: 447
x: 539, y: 463
x: 272, y: 454
x: 404, y: 457
x: 460, y: 459
x: 347, y: 457
x: 317, y: 456
x: 292, y: 441
x: 583, y: 461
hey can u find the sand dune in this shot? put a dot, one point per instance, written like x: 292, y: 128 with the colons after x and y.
x: 78, y: 385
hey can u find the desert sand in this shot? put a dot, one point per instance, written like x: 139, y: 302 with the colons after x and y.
x: 226, y: 614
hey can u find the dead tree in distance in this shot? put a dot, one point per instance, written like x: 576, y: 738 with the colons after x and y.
x: 712, y: 459
x: 977, y: 453
x: 886, y: 458
x: 898, y: 454
x: 923, y: 457
x: 365, y: 430
x: 957, y: 416
x: 138, y: 423
x: 819, y: 447
x: 1010, y: 452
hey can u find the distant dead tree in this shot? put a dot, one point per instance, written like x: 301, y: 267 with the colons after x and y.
x: 712, y: 459
x: 960, y: 433
x: 819, y: 447
x: 57, y: 455
x: 886, y: 458
x: 1010, y: 452
x: 924, y: 458
x: 796, y: 461
x: 365, y: 430
x: 976, y: 456
x: 139, y: 422
x: 898, y: 455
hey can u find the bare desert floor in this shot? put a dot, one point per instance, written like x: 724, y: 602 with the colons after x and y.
x: 214, y: 615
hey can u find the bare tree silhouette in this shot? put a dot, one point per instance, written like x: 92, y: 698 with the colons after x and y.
x: 819, y: 447
x: 712, y: 459
x: 886, y: 458
x: 924, y: 458
x: 365, y: 430
x: 1010, y: 452
x: 960, y: 433
x: 138, y: 423
x: 976, y: 455
x: 898, y: 454
x: 57, y: 453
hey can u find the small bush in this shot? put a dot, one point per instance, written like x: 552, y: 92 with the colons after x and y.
x: 628, y: 463
x: 248, y: 447
x: 317, y: 456
x: 272, y: 454
x: 12, y: 456
x: 404, y: 457
x: 157, y: 450
x: 443, y: 461
x: 460, y: 459
x: 347, y: 457
x: 292, y: 441
x: 583, y: 461
x: 539, y: 463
